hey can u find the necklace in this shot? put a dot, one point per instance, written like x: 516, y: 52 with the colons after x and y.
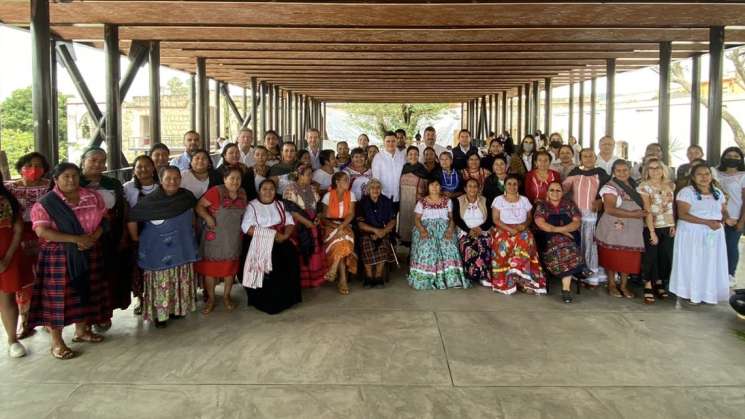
x: 450, y: 181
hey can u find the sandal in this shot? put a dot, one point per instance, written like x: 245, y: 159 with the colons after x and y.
x: 648, y: 296
x: 661, y: 292
x: 228, y: 304
x: 138, y: 308
x: 26, y: 332
x: 343, y: 288
x: 330, y: 277
x: 208, y: 308
x: 566, y: 296
x: 63, y: 353
x: 628, y: 294
x: 88, y: 337
x: 615, y: 292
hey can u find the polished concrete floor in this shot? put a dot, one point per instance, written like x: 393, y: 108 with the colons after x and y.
x: 396, y: 352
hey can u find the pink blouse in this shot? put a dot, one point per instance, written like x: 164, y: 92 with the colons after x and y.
x: 90, y: 211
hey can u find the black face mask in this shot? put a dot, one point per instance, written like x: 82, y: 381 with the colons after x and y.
x: 731, y: 163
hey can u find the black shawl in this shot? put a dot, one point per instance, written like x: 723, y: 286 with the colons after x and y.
x: 418, y: 169
x: 77, y: 260
x: 160, y: 206
x: 630, y: 189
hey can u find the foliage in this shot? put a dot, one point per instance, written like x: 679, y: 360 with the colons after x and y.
x: 16, y: 120
x: 377, y: 118
x: 176, y: 87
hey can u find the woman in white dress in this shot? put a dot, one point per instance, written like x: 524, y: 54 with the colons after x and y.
x: 700, y: 252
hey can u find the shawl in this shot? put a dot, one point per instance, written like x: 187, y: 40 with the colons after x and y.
x: 603, y: 177
x: 418, y: 169
x: 333, y: 207
x: 282, y: 168
x: 630, y: 189
x: 463, y: 203
x: 77, y: 260
x: 259, y: 257
x: 160, y: 206
x: 376, y: 214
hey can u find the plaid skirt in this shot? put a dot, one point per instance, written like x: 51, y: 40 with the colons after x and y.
x: 54, y: 302
x: 376, y: 251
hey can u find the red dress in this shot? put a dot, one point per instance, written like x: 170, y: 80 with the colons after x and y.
x: 537, y: 190
x: 12, y: 279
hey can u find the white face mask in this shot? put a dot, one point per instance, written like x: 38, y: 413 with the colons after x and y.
x: 528, y: 147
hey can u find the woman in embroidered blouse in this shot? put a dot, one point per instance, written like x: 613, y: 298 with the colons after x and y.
x: 281, y: 286
x: 222, y: 209
x: 435, y: 261
x: 515, y: 264
x: 200, y: 176
x: 413, y: 187
x: 538, y: 179
x: 161, y: 224
x: 450, y: 180
x: 494, y: 184
x: 338, y: 214
x: 33, y: 185
x: 474, y: 170
x: 657, y: 194
x: 302, y: 201
x: 68, y: 223
x: 359, y: 174
x: 144, y: 181
x: 558, y: 221
x: 11, y: 275
x: 322, y: 175
x: 376, y: 220
x: 699, y: 271
x: 116, y: 252
x: 619, y: 230
x: 522, y: 162
x: 471, y: 216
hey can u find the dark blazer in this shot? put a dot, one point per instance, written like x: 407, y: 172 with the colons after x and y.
x: 459, y: 157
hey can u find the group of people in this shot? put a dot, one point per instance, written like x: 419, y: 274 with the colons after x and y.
x: 77, y: 245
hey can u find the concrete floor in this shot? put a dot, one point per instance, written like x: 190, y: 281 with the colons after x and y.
x: 397, y: 352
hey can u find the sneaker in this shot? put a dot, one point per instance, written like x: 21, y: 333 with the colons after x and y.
x: 485, y: 283
x: 566, y: 296
x: 16, y: 350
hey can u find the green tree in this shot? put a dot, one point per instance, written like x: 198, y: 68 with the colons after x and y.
x: 176, y: 87
x: 16, y: 120
x: 381, y: 117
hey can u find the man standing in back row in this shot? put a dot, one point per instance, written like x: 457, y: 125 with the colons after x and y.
x: 387, y: 166
x: 192, y: 143
x: 462, y: 149
x: 430, y: 140
x: 313, y: 138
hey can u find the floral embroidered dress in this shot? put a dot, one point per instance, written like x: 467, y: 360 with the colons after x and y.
x: 309, y: 241
x: 562, y: 256
x: 435, y: 261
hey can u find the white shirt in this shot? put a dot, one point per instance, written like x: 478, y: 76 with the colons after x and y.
x: 512, y: 212
x: 607, y: 165
x: 246, y: 158
x: 323, y: 179
x: 733, y: 185
x: 132, y: 194
x: 472, y: 216
x: 326, y: 198
x: 387, y: 168
x: 438, y: 150
x: 264, y: 215
x: 194, y: 185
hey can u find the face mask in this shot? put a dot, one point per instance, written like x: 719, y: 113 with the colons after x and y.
x: 32, y: 174
x: 555, y: 144
x: 528, y: 147
x: 730, y: 163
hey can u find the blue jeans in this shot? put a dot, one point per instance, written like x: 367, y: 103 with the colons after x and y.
x: 732, y: 236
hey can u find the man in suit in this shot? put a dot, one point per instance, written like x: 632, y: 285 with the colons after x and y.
x: 462, y: 149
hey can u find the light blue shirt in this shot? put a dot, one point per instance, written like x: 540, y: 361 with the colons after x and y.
x: 182, y: 161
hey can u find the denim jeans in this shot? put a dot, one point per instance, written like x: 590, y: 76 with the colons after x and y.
x: 732, y: 236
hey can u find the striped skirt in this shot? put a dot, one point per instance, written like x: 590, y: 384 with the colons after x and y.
x: 435, y: 262
x: 54, y: 303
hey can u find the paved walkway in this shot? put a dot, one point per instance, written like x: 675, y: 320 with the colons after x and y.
x: 396, y: 352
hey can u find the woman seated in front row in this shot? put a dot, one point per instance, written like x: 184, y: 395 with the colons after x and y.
x: 338, y: 239
x: 271, y: 274
x: 435, y: 262
x: 515, y: 263
x: 376, y: 220
x: 558, y: 221
x: 471, y: 215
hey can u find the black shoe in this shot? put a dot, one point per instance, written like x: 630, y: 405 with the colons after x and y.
x: 380, y: 283
x: 161, y: 325
x: 176, y: 317
x: 566, y: 296
x: 367, y: 284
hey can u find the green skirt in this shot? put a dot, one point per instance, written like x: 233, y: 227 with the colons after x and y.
x: 435, y: 262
